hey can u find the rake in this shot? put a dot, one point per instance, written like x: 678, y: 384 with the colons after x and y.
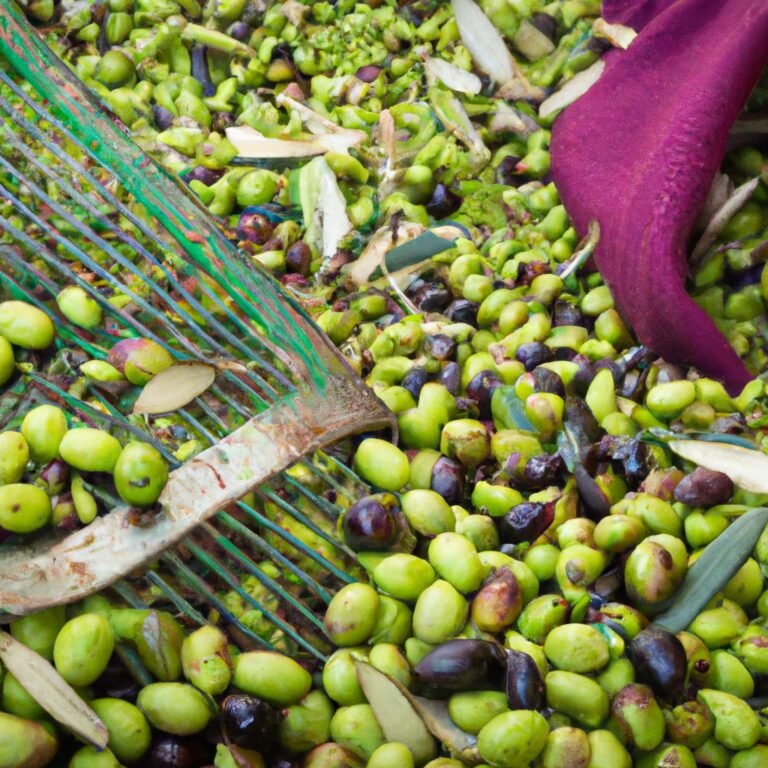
x: 81, y: 204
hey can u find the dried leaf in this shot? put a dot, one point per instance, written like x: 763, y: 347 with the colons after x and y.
x: 319, y: 124
x: 574, y: 89
x: 380, y: 243
x: 507, y: 118
x: 490, y: 53
x: 722, y: 216
x: 395, y: 712
x: 618, y: 35
x: 721, y: 189
x: 175, y: 387
x: 532, y: 42
x: 250, y: 143
x: 451, y: 76
x: 713, y: 569
x: 46, y: 686
x: 748, y: 469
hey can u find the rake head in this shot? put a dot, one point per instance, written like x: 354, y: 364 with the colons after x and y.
x: 81, y: 205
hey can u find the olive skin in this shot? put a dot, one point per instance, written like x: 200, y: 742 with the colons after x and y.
x: 249, y: 722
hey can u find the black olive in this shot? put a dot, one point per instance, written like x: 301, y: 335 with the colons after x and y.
x: 461, y: 665
x: 448, y: 480
x: 370, y: 524
x: 249, y: 722
x: 523, y: 683
x: 443, y: 202
x: 526, y: 521
x: 481, y: 390
x: 660, y: 661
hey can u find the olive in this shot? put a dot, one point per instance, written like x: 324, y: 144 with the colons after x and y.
x: 543, y: 470
x: 660, y: 662
x: 704, y: 488
x: 249, y: 722
x: 546, y: 24
x: 448, y: 479
x: 565, y: 313
x: 440, y: 346
x: 414, y: 380
x: 177, y: 752
x: 443, y: 202
x: 370, y: 524
x: 523, y: 683
x: 298, y: 258
x: 450, y: 377
x: 481, y: 389
x: 163, y: 120
x: 548, y: 381
x: 533, y: 353
x: 207, y: 176
x: 254, y: 227
x: 462, y: 311
x: 368, y: 73
x: 461, y: 665
x: 429, y: 297
x: 526, y: 521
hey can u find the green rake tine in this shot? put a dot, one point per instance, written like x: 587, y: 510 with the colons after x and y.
x: 136, y: 669
x: 257, y: 543
x: 183, y: 606
x: 56, y: 123
x: 295, y: 542
x: 326, y: 478
x: 329, y: 509
x: 274, y: 587
x: 232, y: 582
x: 129, y: 594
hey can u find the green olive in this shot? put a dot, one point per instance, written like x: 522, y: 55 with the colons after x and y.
x: 271, y: 676
x: 140, y: 474
x: 129, y: 732
x: 26, y: 326
x: 83, y: 648
x: 175, y: 708
x: 79, y: 307
x: 44, y: 428
x: 90, y: 450
x: 24, y: 508
x: 14, y: 455
x: 7, y: 360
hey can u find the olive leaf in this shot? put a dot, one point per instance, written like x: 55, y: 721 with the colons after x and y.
x: 49, y: 689
x: 572, y: 90
x: 250, y: 143
x: 746, y: 467
x: 174, y: 388
x: 413, y: 720
x: 713, y: 569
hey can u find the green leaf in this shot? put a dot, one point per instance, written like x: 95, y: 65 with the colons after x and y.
x: 508, y: 410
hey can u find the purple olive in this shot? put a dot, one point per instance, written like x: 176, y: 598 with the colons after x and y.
x: 660, y: 661
x: 440, y: 346
x: 414, y: 380
x: 249, y: 722
x: 565, y: 313
x: 429, y: 296
x: 298, y: 259
x: 543, y: 470
x: 481, y: 389
x: 163, y: 119
x: 240, y: 31
x: 448, y: 479
x: 176, y: 752
x: 254, y: 227
x: 370, y: 523
x: 368, y: 73
x: 443, y: 202
x: 523, y: 683
x: 450, y: 377
x: 546, y: 24
x: 204, y: 175
x: 461, y: 665
x: 462, y: 311
x: 526, y: 521
x: 704, y: 488
x: 533, y: 353
x: 548, y: 381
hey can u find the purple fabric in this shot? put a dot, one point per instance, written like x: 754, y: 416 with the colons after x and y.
x: 639, y: 152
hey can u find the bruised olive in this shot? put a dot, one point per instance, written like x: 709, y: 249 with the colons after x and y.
x: 443, y: 202
x: 533, y: 353
x: 660, y: 662
x: 526, y: 521
x: 440, y: 346
x: 448, y: 479
x: 523, y: 684
x: 704, y: 488
x: 546, y: 24
x: 543, y: 470
x: 461, y: 665
x: 430, y: 297
x: 254, y: 227
x: 369, y: 524
x: 481, y: 389
x: 249, y: 722
x: 177, y: 752
x: 548, y: 381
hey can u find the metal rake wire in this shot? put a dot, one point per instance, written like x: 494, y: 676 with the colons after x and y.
x: 81, y: 205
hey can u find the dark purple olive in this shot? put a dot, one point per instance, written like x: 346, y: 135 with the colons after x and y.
x: 298, y: 259
x: 546, y: 24
x: 461, y: 665
x: 448, y: 480
x: 368, y: 73
x: 481, y: 389
x: 745, y: 277
x: 443, y: 202
x: 204, y: 175
x: 548, y: 381
x: 581, y: 422
x: 583, y: 377
x: 254, y: 227
x: 507, y: 173
x: 660, y: 661
x: 608, y: 587
x: 450, y: 378
x: 543, y: 471
x: 523, y: 683
x: 533, y: 353
x: 638, y: 461
x: 462, y: 311
x: 55, y: 475
x: 200, y: 71
x: 429, y: 296
x: 162, y: 117
x: 370, y: 523
x: 526, y: 521
x: 240, y: 31
x: 249, y: 722
x: 440, y: 346
x: 176, y: 752
x: 414, y: 380
x: 528, y: 271
x: 704, y: 488
x: 565, y: 313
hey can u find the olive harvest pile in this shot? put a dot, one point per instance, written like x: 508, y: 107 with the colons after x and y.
x: 530, y: 521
